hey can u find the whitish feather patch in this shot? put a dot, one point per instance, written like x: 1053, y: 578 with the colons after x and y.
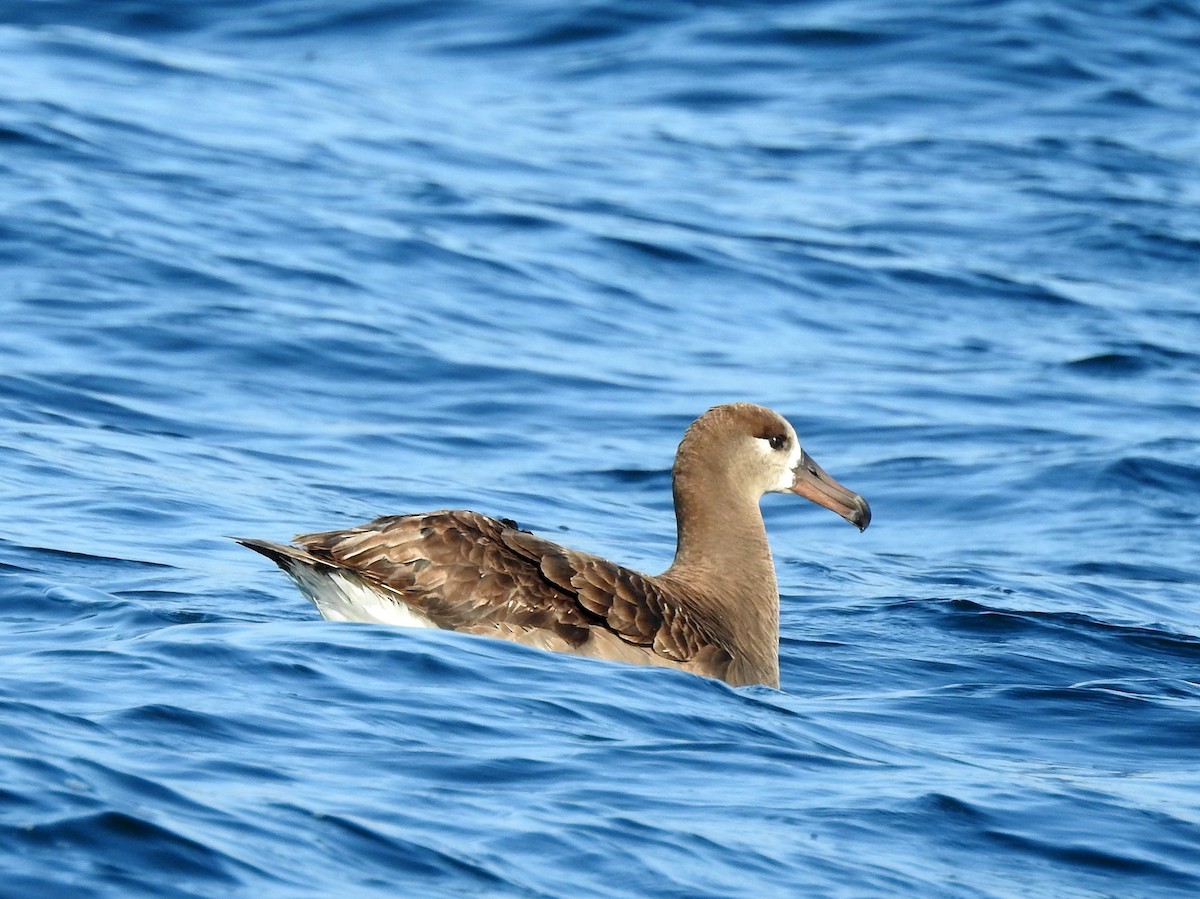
x: 343, y: 597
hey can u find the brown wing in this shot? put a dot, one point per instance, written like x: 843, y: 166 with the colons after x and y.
x: 467, y: 571
x: 628, y: 603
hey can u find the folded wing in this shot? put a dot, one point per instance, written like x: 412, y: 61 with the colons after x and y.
x: 468, y: 572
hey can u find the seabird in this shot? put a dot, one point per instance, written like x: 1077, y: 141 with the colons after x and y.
x: 714, y: 611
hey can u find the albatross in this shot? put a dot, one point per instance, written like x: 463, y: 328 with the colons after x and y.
x: 713, y: 612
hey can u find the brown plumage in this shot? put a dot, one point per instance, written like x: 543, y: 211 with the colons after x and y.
x: 714, y: 611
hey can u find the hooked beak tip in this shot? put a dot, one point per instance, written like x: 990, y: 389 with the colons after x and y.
x: 861, y: 516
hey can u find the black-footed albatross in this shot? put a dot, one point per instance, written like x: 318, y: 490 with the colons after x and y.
x: 714, y: 611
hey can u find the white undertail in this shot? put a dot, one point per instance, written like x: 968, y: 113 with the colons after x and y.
x: 340, y: 596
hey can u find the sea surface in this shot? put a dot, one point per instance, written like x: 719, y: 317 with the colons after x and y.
x: 272, y: 266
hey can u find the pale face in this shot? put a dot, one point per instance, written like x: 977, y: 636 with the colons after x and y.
x: 781, y: 454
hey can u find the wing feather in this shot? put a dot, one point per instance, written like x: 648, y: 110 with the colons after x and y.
x: 467, y: 571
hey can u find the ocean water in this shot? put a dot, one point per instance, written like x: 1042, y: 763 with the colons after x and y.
x: 276, y: 266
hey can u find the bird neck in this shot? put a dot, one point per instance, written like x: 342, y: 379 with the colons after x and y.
x: 723, y: 560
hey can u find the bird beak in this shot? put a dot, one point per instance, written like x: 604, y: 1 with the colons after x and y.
x: 812, y: 483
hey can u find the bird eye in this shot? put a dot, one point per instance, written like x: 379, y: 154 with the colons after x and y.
x: 777, y: 441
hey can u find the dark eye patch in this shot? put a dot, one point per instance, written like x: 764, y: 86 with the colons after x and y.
x: 777, y: 441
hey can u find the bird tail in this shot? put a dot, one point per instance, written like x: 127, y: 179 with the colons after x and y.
x: 339, y: 593
x: 286, y: 557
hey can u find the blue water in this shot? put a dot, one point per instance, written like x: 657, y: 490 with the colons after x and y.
x: 276, y: 266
